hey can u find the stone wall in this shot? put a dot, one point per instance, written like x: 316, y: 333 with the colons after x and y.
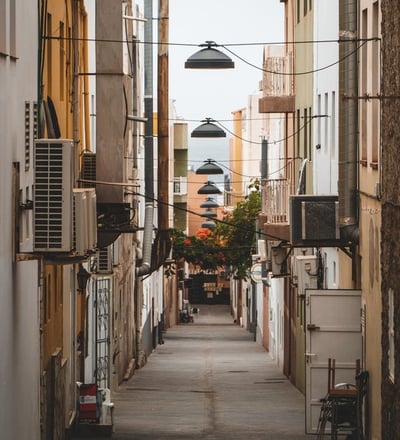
x: 390, y: 143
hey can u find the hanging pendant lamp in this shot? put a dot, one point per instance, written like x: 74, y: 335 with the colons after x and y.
x: 209, y: 188
x: 208, y: 224
x: 210, y: 167
x: 208, y: 130
x: 209, y: 214
x: 209, y: 58
x: 209, y: 203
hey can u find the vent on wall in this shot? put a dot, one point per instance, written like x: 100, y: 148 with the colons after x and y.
x: 53, y: 161
x: 314, y: 220
x: 104, y: 261
x: 89, y: 169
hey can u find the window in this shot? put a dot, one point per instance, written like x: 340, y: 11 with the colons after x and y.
x: 8, y: 28
x: 333, y: 126
x: 62, y: 61
x: 298, y: 132
x: 309, y: 127
x: 363, y: 89
x: 375, y: 86
x: 3, y: 27
x: 305, y: 132
x: 13, y: 41
x: 318, y: 140
x: 298, y: 10
x: 391, y: 333
x: 49, y: 55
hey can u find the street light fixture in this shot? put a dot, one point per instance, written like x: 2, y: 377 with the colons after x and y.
x: 209, y: 167
x: 208, y: 224
x: 209, y: 58
x: 208, y: 130
x: 209, y: 188
x: 209, y: 203
x: 209, y: 214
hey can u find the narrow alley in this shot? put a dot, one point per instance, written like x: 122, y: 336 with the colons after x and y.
x: 209, y: 380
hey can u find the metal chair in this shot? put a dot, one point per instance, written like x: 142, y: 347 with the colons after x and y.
x: 343, y: 406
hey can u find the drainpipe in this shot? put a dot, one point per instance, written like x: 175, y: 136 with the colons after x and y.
x: 348, y: 126
x: 145, y: 267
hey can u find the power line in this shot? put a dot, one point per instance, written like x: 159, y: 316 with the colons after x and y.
x: 161, y: 202
x: 225, y: 45
x: 274, y: 72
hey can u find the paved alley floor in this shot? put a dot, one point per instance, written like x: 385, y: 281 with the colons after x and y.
x: 209, y: 380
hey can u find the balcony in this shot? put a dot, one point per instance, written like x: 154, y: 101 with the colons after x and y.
x: 275, y: 208
x: 278, y: 95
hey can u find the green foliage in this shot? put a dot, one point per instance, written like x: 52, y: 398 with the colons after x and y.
x: 230, y: 244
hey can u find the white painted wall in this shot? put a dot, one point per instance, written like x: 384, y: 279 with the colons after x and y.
x: 19, y: 293
x: 260, y: 316
x: 325, y: 128
x: 276, y: 319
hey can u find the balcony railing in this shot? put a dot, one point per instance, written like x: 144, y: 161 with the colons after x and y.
x: 275, y: 200
x: 278, y: 85
x: 180, y: 186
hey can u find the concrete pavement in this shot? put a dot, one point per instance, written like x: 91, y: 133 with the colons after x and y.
x: 211, y: 381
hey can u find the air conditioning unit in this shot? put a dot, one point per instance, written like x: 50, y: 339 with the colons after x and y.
x: 85, y: 220
x: 52, y: 214
x: 298, y: 252
x: 92, y: 218
x: 80, y: 221
x: 314, y: 220
x: 306, y: 270
x: 279, y: 261
x: 261, y: 250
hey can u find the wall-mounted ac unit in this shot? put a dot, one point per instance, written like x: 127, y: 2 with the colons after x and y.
x: 279, y: 261
x: 306, y: 270
x: 262, y: 249
x: 85, y: 220
x: 92, y: 214
x: 314, y: 220
x: 52, y: 214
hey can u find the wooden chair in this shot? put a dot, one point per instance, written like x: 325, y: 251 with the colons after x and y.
x: 344, y: 398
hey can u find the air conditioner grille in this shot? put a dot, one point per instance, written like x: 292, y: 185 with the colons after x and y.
x: 53, y: 196
x: 314, y: 220
x: 105, y: 260
x: 89, y: 169
x: 319, y: 220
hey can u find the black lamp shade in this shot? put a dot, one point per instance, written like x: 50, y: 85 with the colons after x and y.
x: 209, y: 58
x: 208, y: 130
x: 209, y: 188
x: 209, y: 203
x: 209, y: 167
x: 209, y: 214
x: 208, y: 224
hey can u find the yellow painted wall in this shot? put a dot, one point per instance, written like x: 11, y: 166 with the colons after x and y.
x: 56, y: 82
x: 236, y: 158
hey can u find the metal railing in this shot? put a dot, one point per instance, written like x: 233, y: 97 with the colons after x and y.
x: 278, y: 85
x: 275, y: 200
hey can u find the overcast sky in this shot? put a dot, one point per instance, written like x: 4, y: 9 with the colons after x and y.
x: 203, y: 93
